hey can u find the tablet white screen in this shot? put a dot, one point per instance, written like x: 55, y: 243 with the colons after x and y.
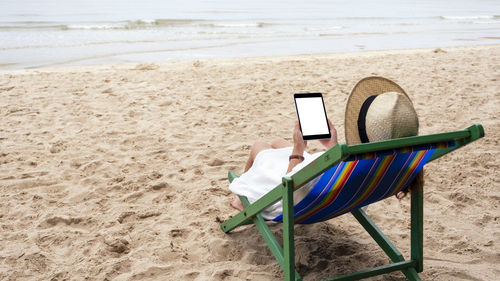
x: 312, y: 116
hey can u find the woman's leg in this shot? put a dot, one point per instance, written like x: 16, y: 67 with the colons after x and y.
x: 257, y: 147
x: 280, y: 143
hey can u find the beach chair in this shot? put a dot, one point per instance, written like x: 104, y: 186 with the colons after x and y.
x: 353, y: 177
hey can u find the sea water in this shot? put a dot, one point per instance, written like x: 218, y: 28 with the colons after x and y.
x: 69, y: 32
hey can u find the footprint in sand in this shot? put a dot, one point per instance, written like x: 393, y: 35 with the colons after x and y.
x: 178, y: 233
x: 69, y: 221
x: 159, y: 186
x: 216, y: 162
x: 120, y: 246
x: 223, y: 274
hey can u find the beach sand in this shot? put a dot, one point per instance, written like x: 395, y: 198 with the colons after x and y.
x: 120, y: 172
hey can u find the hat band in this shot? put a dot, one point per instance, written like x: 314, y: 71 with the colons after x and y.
x: 362, y: 119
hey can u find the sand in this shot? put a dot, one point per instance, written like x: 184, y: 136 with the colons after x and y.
x: 119, y: 172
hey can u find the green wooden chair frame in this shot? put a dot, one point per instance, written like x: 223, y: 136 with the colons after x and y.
x: 286, y: 255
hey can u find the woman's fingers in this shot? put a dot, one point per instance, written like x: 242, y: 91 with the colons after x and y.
x: 332, y: 141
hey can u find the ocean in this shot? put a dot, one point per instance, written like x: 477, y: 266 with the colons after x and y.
x: 65, y: 32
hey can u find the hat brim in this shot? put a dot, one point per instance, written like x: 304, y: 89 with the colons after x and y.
x: 364, y: 89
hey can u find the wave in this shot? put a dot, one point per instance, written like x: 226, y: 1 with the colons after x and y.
x: 129, y: 24
x: 481, y: 19
x: 261, y: 23
x: 31, y: 25
x: 123, y: 25
x: 478, y: 17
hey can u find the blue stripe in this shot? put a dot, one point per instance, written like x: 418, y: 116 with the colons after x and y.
x: 354, y: 186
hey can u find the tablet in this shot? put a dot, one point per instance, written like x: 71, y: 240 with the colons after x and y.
x: 312, y: 116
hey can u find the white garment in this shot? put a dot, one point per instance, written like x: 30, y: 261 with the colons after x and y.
x: 267, y: 171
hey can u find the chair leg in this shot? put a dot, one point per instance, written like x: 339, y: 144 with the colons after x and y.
x: 417, y: 227
x: 288, y: 231
x: 391, y: 251
x: 384, y: 242
x: 411, y: 274
x: 268, y: 236
x: 266, y: 233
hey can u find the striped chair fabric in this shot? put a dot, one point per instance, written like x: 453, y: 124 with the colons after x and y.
x: 361, y: 180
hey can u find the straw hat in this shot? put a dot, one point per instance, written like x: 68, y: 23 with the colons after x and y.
x: 379, y: 109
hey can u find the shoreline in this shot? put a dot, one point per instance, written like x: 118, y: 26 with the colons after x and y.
x: 69, y: 67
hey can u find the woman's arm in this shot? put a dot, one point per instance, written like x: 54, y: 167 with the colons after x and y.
x: 299, y: 145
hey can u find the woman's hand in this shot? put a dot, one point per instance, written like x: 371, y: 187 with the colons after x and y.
x: 331, y: 142
x: 299, y: 144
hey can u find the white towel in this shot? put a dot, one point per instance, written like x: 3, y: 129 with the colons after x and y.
x: 268, y: 168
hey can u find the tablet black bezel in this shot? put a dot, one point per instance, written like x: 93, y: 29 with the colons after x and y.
x: 312, y: 95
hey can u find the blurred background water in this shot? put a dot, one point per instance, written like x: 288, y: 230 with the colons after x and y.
x: 68, y: 32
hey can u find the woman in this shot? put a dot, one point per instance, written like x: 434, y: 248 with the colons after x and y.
x: 377, y: 109
x: 275, y: 154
